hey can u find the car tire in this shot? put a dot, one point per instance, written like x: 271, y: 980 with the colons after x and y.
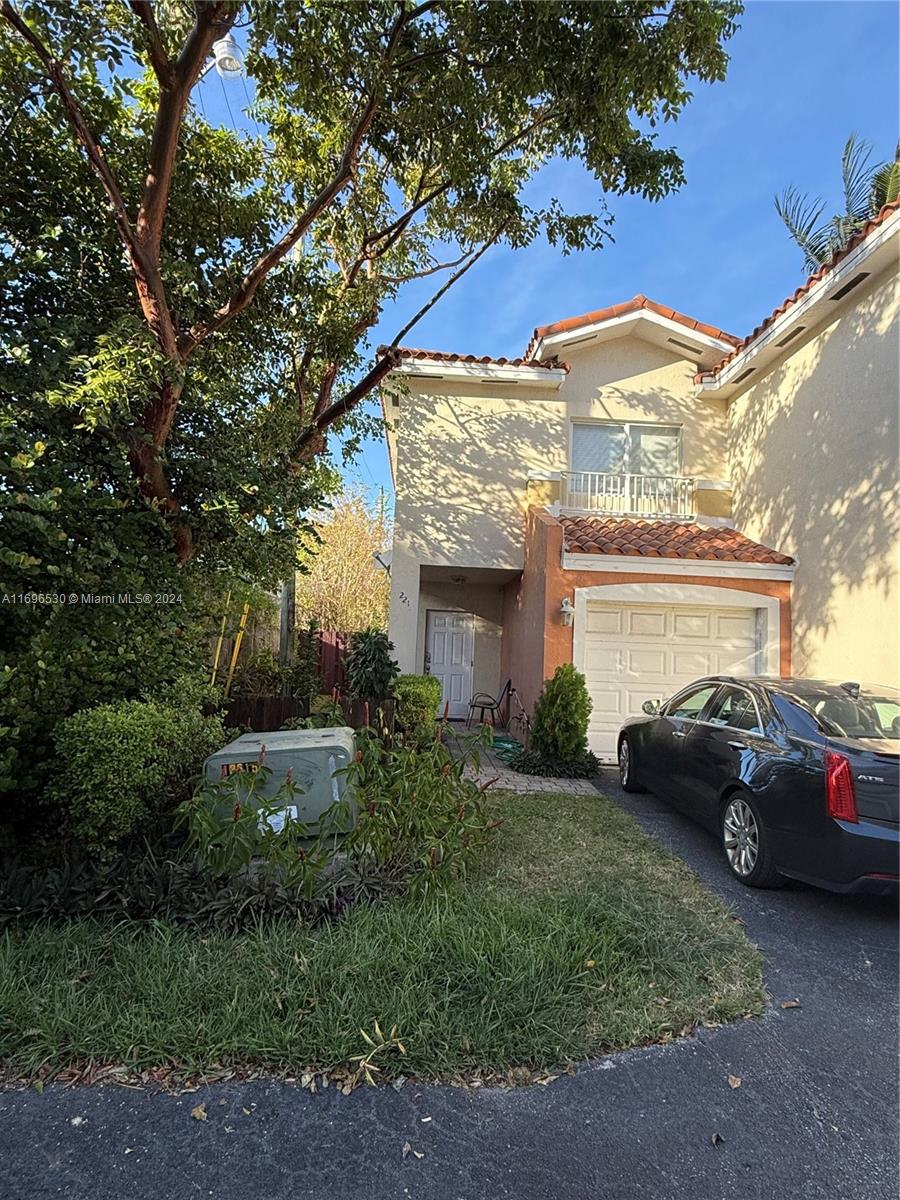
x: 746, y: 844
x: 628, y: 776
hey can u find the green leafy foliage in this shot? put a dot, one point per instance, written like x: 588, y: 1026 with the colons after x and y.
x: 420, y: 818
x: 260, y: 675
x: 561, y: 715
x: 558, y: 743
x: 418, y: 698
x: 119, y: 769
x: 371, y: 669
x: 152, y: 883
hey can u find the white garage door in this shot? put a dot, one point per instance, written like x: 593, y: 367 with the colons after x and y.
x: 638, y: 652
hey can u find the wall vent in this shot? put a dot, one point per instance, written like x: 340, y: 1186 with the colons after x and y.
x: 684, y: 346
x: 850, y: 285
x: 743, y: 375
x: 790, y: 337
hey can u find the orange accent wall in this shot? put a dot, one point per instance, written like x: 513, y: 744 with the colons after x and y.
x: 535, y: 641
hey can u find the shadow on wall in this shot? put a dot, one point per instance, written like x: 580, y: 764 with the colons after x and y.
x: 463, y: 473
x: 814, y: 463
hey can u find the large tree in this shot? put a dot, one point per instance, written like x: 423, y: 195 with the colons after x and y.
x: 235, y: 277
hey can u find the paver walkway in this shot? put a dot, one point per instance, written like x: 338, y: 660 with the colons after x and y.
x: 496, y: 771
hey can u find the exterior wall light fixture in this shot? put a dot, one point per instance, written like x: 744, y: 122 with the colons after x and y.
x: 568, y: 611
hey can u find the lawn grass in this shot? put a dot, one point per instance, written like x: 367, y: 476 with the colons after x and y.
x: 574, y: 934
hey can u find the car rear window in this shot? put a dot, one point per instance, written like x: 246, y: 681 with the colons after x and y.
x: 837, y: 713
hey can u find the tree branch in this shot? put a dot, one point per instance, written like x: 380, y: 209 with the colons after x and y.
x: 473, y: 259
x: 74, y: 115
x: 247, y: 288
x: 444, y: 266
x: 159, y: 59
x: 311, y: 439
x: 212, y: 21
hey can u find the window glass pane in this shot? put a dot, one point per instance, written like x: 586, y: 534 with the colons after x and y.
x: 735, y: 709
x: 689, y: 705
x: 598, y: 448
x: 655, y: 451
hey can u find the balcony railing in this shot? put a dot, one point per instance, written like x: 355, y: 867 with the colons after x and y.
x: 628, y: 495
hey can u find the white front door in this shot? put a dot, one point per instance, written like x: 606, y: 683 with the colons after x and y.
x: 638, y: 652
x: 449, y: 653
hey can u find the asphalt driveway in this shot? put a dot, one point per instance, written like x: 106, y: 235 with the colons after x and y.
x: 815, y: 1114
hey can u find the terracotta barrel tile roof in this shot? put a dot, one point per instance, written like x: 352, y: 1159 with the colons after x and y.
x: 621, y: 310
x: 663, y: 539
x: 483, y: 360
x: 825, y: 269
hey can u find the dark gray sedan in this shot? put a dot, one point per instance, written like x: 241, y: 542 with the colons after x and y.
x: 797, y: 777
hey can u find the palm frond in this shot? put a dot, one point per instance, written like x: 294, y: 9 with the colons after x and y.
x: 856, y: 175
x: 885, y: 185
x: 801, y: 215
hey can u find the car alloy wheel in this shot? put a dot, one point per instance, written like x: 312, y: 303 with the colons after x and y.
x: 741, y: 836
x: 625, y: 762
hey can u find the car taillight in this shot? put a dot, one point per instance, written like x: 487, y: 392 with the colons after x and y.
x: 840, y: 795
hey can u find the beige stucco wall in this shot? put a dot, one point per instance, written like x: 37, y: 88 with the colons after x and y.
x: 814, y: 462
x: 461, y: 457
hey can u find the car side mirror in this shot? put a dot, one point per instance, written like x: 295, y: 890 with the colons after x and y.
x: 650, y: 707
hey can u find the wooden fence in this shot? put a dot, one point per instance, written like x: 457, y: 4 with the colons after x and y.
x: 270, y: 712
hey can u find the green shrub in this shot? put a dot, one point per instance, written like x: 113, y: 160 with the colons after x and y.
x: 529, y: 762
x: 370, y: 667
x: 420, y: 818
x: 260, y: 675
x: 418, y: 697
x: 561, y: 715
x: 154, y: 883
x: 558, y: 745
x: 324, y: 713
x: 119, y: 768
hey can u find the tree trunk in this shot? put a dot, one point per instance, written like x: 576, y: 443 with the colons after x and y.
x: 145, y: 457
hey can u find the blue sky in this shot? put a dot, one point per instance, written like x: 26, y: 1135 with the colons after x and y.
x: 803, y: 75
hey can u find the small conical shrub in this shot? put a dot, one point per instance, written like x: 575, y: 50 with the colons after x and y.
x: 559, y: 733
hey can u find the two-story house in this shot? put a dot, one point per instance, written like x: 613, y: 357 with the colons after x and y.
x: 653, y: 499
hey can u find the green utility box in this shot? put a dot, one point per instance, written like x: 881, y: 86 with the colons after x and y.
x: 312, y: 754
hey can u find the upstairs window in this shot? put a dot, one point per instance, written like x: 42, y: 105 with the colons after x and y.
x: 616, y: 449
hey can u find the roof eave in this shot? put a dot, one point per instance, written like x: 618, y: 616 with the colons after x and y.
x: 486, y: 373
x: 783, y: 334
x: 546, y: 345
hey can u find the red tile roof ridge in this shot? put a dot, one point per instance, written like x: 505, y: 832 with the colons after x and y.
x: 638, y: 302
x: 860, y: 236
x: 483, y: 360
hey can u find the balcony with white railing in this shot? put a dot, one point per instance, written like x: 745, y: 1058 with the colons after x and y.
x: 622, y: 495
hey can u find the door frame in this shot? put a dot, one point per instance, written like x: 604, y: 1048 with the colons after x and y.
x: 450, y: 612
